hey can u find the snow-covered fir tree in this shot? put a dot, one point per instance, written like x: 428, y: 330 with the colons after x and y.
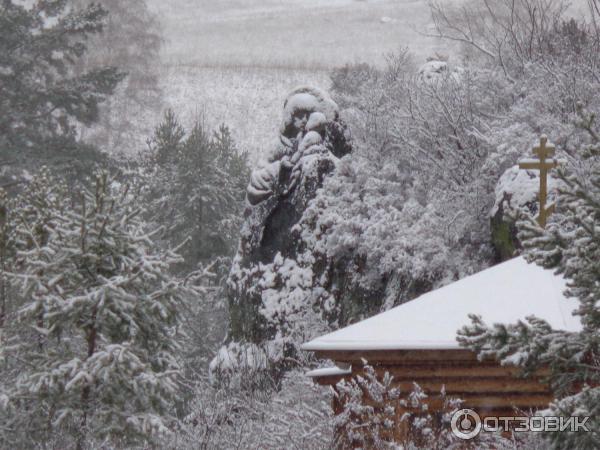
x: 90, y: 353
x: 131, y: 40
x: 571, y: 246
x: 368, y: 415
x: 195, y: 182
x: 45, y: 100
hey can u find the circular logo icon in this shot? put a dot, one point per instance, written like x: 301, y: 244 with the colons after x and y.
x: 465, y: 423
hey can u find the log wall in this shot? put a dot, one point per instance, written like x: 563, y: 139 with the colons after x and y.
x: 484, y: 386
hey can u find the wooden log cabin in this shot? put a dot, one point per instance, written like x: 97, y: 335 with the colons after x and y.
x: 416, y: 341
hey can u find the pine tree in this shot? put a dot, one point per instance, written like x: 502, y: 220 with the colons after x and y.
x: 571, y: 246
x: 196, y: 188
x: 167, y: 140
x: 96, y: 336
x: 43, y: 100
x: 130, y: 40
x: 198, y: 185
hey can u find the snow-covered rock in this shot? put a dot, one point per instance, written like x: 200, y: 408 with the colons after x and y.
x: 271, y: 281
x: 435, y: 70
x: 306, y: 99
x: 516, y: 190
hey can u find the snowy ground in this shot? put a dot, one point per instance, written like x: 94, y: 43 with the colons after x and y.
x: 315, y: 34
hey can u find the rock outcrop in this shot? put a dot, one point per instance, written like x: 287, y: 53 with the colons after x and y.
x: 516, y: 190
x: 270, y: 254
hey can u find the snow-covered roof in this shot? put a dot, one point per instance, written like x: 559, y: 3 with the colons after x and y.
x: 328, y: 372
x: 504, y: 293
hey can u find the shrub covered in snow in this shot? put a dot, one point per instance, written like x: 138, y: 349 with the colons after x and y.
x: 295, y: 415
x: 376, y: 415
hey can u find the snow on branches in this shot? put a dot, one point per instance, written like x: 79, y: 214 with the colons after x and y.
x: 571, y: 245
x: 96, y: 330
x: 373, y: 410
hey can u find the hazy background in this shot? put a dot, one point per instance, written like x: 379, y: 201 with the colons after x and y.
x: 316, y: 34
x: 232, y: 62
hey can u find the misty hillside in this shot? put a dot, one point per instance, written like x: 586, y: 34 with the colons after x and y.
x: 313, y: 34
x: 224, y: 61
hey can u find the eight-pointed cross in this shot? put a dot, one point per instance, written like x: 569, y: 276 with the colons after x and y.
x: 543, y: 165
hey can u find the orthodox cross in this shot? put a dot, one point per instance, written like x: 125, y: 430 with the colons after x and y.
x: 544, y: 163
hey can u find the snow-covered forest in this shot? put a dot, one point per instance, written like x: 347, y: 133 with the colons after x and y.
x: 186, y: 199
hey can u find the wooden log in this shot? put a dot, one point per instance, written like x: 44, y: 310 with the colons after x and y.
x: 481, y: 385
x: 495, y: 401
x: 329, y: 380
x: 451, y: 374
x: 395, y: 357
x: 458, y: 386
x: 449, y: 371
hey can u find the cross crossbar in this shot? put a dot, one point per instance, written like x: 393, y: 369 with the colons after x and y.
x: 544, y: 151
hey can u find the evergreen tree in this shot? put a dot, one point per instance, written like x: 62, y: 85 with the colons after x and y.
x: 571, y: 246
x: 131, y: 40
x: 196, y: 190
x: 198, y: 186
x: 43, y: 100
x: 167, y: 140
x: 91, y: 351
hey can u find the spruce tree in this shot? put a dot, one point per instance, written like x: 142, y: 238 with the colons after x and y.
x: 93, y: 344
x: 571, y: 246
x: 43, y: 101
x: 198, y: 188
x: 130, y: 40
